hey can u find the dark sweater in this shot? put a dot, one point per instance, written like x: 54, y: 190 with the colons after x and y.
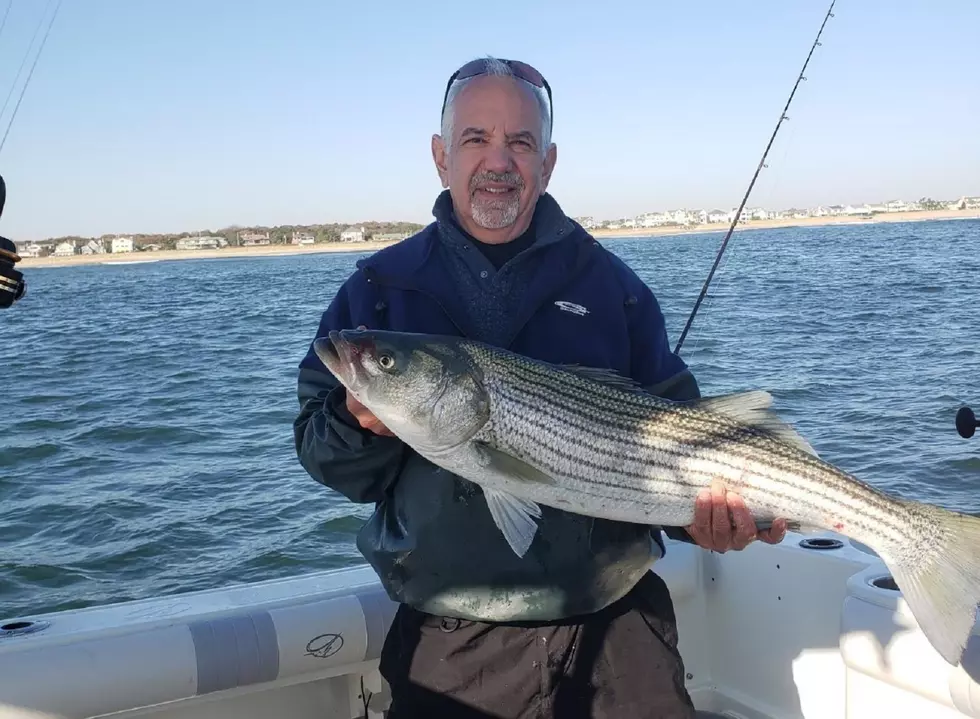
x: 490, y: 279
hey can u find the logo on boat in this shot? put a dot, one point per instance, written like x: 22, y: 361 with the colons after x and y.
x: 571, y: 307
x: 324, y: 645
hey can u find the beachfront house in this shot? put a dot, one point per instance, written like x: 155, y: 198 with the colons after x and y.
x: 200, y: 243
x: 64, y: 249
x: 654, y: 219
x: 352, y: 234
x: 757, y: 213
x: 682, y: 217
x: 122, y: 244
x: 302, y: 237
x: 92, y: 247
x: 32, y: 250
x: 251, y: 238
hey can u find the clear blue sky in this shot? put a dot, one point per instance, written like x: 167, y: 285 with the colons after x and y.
x: 164, y: 116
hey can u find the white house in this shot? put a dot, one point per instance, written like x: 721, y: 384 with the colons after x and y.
x: 200, y: 243
x: 352, y: 234
x: 654, y: 219
x: 681, y: 217
x: 64, y: 249
x: 122, y: 244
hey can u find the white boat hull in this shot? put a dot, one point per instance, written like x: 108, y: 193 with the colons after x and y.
x: 769, y: 633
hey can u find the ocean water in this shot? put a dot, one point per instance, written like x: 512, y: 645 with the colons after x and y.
x: 146, y: 444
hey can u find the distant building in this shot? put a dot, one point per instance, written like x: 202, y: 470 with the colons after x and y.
x: 389, y: 237
x: 122, y: 244
x: 64, y: 249
x: 250, y: 238
x: 654, y: 219
x: 352, y: 234
x: 200, y: 243
x: 302, y: 237
x: 31, y: 250
x: 92, y: 247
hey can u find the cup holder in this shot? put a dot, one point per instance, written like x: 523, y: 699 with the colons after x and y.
x: 885, y: 582
x: 21, y: 626
x: 821, y: 543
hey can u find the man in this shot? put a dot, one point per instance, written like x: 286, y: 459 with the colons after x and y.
x: 578, y: 627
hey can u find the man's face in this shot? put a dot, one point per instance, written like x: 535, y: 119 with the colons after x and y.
x: 493, y: 164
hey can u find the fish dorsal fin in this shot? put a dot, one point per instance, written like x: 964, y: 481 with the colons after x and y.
x: 605, y: 376
x: 753, y: 408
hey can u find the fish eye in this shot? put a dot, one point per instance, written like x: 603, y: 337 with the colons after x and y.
x: 386, y: 361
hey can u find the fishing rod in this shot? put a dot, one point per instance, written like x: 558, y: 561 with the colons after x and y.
x: 12, y: 283
x: 738, y: 213
x: 30, y: 74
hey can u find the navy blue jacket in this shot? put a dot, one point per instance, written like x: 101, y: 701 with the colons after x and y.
x: 431, y: 538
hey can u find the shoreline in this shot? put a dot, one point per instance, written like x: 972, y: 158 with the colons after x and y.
x: 882, y: 218
x: 128, y: 258
x: 371, y: 246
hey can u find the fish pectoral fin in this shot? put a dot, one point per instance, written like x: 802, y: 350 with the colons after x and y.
x: 753, y: 408
x: 514, y: 517
x: 512, y: 467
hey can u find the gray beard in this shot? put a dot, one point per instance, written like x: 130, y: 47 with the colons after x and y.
x: 496, y: 214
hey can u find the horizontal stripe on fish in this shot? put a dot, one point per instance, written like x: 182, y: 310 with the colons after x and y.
x: 548, y: 427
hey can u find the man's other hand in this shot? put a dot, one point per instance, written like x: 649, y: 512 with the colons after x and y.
x: 723, y: 522
x: 365, y: 418
x: 363, y: 415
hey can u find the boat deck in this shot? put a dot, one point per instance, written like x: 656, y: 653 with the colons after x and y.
x: 809, y: 629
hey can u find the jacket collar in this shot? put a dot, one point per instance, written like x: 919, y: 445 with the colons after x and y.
x: 415, y: 265
x: 415, y: 256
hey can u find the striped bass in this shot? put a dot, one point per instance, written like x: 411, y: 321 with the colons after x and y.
x: 592, y: 442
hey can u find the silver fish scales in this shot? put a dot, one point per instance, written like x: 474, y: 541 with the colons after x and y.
x: 588, y: 441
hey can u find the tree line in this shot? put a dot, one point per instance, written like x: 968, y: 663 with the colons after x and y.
x: 278, y: 234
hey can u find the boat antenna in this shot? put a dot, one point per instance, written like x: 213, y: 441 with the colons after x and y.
x: 30, y: 74
x: 738, y: 213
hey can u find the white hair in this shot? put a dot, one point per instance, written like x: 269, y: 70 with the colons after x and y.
x: 500, y: 69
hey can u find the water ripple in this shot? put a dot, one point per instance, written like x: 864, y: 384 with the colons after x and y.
x: 146, y: 447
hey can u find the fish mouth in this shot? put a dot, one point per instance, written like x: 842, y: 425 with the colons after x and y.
x: 340, y: 351
x: 337, y: 355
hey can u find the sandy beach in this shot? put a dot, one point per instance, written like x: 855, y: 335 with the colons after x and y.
x: 280, y: 250
x: 921, y: 216
x: 222, y: 253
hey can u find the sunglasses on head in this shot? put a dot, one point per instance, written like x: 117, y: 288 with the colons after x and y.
x: 520, y: 69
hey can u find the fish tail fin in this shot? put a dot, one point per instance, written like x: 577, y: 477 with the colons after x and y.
x: 942, y: 587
